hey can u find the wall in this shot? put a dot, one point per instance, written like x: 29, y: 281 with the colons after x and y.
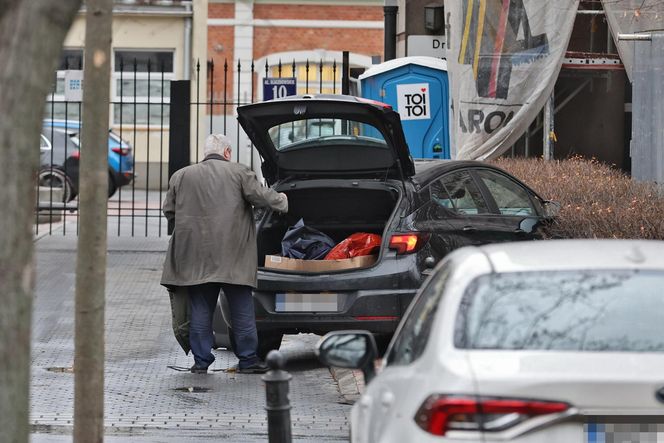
x: 146, y: 31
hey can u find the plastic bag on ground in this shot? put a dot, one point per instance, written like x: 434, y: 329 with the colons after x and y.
x: 356, y: 245
x: 305, y: 243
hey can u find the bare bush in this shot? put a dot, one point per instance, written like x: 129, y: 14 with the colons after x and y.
x: 597, y: 201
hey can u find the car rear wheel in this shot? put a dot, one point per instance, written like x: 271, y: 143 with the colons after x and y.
x: 382, y: 341
x: 57, y: 180
x: 223, y: 340
x: 267, y: 341
x: 112, y: 187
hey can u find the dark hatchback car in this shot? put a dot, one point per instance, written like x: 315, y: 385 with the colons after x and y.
x: 357, y: 175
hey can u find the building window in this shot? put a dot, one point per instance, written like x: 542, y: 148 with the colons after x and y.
x: 141, y: 87
x: 56, y: 106
x: 314, y: 80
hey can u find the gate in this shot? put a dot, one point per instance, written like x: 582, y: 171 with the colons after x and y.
x: 158, y: 125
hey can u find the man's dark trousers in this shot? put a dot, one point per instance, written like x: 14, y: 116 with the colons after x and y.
x: 202, y: 303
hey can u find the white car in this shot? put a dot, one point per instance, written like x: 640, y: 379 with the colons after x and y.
x: 549, y: 341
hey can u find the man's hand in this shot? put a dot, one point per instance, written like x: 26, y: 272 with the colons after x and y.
x: 284, y: 198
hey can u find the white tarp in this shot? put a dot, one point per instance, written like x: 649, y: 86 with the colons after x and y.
x: 632, y: 17
x: 504, y: 59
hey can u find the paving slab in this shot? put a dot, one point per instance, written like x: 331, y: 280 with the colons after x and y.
x: 144, y: 399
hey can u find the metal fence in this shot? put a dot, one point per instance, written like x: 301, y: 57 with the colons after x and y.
x: 143, y: 123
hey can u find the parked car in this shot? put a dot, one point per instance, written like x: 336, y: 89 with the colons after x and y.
x: 358, y: 176
x: 60, y: 154
x: 528, y: 342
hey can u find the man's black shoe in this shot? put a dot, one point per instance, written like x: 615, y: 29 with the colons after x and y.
x: 197, y: 370
x: 256, y: 368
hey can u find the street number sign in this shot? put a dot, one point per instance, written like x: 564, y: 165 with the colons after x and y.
x: 279, y: 87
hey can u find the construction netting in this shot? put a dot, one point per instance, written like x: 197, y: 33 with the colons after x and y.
x: 504, y: 57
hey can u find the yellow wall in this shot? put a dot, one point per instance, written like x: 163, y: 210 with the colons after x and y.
x: 154, y: 32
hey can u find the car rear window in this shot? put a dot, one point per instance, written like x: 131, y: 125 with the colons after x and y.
x: 590, y: 310
x: 315, y: 131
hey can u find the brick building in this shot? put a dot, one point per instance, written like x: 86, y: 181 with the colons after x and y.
x: 283, y: 38
x: 269, y: 31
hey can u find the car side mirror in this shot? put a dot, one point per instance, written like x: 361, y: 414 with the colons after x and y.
x: 551, y: 208
x: 349, y: 349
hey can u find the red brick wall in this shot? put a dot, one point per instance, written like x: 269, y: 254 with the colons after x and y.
x: 220, y: 48
x: 269, y: 40
x: 221, y: 10
x: 360, y: 41
x: 318, y: 12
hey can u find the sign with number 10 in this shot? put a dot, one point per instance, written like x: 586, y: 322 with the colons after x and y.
x: 279, y: 87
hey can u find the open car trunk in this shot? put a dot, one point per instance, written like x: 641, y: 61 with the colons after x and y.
x: 335, y: 211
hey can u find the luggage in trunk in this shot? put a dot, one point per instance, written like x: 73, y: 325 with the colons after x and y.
x: 338, y: 212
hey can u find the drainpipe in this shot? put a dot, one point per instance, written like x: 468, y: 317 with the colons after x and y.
x: 390, y: 9
x: 188, y: 31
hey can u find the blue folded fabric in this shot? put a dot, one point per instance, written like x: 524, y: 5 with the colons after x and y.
x: 305, y: 243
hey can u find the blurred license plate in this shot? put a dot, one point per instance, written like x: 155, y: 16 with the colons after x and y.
x: 624, y: 432
x: 306, y: 302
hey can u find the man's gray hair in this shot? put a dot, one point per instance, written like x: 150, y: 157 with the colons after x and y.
x: 216, y: 144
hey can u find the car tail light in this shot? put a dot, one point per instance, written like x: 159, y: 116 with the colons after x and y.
x: 76, y: 154
x: 121, y: 151
x: 439, y: 414
x: 408, y: 243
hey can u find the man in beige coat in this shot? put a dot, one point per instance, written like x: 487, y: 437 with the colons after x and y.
x: 213, y: 248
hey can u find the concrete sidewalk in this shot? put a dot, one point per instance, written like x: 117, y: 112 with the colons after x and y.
x: 144, y: 400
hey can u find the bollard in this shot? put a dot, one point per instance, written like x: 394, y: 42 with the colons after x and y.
x: 277, y: 402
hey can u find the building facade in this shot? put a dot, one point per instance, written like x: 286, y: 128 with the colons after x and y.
x: 154, y: 42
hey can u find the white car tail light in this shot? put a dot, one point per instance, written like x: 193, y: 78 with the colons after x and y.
x: 439, y: 413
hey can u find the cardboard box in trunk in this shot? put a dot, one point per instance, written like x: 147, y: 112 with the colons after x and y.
x: 293, y: 264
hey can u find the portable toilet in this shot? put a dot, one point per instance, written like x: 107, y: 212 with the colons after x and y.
x: 418, y: 89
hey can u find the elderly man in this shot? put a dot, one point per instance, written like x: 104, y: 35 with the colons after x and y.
x: 213, y: 248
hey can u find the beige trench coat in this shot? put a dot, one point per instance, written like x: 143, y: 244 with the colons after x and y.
x: 214, y: 240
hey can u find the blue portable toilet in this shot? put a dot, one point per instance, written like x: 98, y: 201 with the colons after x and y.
x: 418, y: 89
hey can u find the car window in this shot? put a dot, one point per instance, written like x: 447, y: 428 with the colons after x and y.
x: 458, y: 193
x: 511, y: 198
x: 313, y: 132
x: 581, y: 310
x: 413, y: 336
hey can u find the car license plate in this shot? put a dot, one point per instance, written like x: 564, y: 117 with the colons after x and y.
x: 306, y: 302
x: 619, y: 432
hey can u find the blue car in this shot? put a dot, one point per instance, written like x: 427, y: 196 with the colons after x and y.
x: 61, y: 151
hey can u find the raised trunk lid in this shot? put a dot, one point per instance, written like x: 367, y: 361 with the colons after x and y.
x: 604, y: 383
x: 327, y: 135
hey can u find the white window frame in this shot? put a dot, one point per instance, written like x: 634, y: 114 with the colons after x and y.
x: 154, y: 76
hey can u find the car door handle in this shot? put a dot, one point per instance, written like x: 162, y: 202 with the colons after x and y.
x: 469, y: 229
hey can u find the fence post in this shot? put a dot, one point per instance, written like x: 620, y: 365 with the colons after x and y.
x: 179, y: 129
x: 345, y: 73
x: 276, y: 396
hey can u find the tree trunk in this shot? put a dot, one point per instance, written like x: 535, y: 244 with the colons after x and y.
x: 92, y: 243
x: 31, y: 36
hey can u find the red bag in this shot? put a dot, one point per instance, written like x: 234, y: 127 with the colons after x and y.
x: 358, y: 244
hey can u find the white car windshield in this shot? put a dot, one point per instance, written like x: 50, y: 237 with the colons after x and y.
x: 585, y: 310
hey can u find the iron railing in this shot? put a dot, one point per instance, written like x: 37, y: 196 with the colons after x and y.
x: 139, y: 115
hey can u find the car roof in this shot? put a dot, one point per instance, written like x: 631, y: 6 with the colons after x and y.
x: 575, y: 254
x: 428, y: 170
